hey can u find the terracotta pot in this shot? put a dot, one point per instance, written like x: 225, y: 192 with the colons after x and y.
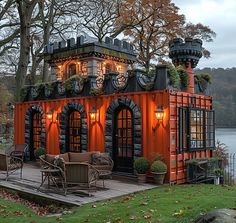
x: 159, y: 178
x: 141, y: 178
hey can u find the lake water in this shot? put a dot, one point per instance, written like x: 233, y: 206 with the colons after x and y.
x: 228, y: 137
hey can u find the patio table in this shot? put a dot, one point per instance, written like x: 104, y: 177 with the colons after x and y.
x: 49, y: 174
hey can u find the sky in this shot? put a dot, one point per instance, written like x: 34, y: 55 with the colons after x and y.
x: 220, y: 16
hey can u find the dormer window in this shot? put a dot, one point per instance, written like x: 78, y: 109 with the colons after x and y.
x: 71, y: 69
x: 108, y: 68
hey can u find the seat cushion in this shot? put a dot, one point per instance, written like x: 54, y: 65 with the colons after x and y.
x: 81, y: 157
x: 102, y: 167
x: 65, y: 157
x: 100, y: 159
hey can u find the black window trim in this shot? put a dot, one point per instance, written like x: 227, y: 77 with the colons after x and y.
x: 185, y: 112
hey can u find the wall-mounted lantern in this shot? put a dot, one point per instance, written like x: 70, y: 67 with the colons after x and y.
x: 94, y: 114
x: 159, y: 113
x: 52, y: 116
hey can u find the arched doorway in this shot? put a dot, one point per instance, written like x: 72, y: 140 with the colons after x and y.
x: 73, y: 128
x: 123, y: 146
x: 123, y: 138
x: 35, y: 129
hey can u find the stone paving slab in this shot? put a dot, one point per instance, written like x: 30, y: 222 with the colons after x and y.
x: 32, y: 179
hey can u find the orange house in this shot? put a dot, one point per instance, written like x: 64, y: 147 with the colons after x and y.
x: 111, y: 109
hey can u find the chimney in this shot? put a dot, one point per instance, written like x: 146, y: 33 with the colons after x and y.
x: 186, y: 53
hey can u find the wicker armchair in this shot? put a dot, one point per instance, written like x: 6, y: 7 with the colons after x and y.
x: 19, y: 150
x: 10, y: 164
x: 83, y: 175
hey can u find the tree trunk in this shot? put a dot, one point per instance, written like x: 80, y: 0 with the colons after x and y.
x: 147, y: 66
x: 23, y: 60
x: 45, y: 71
x: 25, y: 10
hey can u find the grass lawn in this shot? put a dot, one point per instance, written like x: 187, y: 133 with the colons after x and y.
x: 181, y: 204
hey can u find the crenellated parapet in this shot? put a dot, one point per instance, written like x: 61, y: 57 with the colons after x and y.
x: 119, y: 50
x: 185, y: 52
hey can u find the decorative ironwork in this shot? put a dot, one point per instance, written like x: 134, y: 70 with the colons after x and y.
x: 34, y: 92
x: 48, y: 91
x: 78, y: 86
x: 61, y: 88
x: 99, y: 81
x: 119, y: 81
x: 145, y: 81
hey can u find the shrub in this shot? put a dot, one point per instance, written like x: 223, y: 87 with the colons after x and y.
x: 184, y: 78
x: 158, y: 167
x: 69, y: 83
x: 39, y: 152
x: 201, y: 78
x: 141, y: 165
x: 174, y: 76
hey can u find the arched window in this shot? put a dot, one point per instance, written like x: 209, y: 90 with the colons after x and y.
x: 71, y: 70
x: 35, y: 133
x: 74, y: 130
x: 108, y: 68
x: 73, y: 136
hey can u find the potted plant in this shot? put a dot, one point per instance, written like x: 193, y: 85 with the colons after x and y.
x: 158, y: 169
x: 39, y: 152
x: 218, y: 173
x: 141, y: 166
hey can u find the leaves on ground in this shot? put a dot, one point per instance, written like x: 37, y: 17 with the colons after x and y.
x: 36, y: 208
x: 179, y: 213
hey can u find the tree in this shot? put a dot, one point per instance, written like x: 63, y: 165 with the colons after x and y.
x: 151, y: 36
x: 99, y: 17
x: 199, y: 31
x: 9, y: 26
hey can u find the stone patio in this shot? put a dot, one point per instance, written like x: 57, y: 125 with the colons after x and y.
x: 32, y: 179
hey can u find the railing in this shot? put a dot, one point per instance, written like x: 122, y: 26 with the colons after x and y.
x: 229, y: 173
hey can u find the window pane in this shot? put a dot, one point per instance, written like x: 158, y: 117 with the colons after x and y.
x: 196, y: 128
x: 210, y: 129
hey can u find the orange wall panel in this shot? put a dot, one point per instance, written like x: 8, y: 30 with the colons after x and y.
x: 156, y: 137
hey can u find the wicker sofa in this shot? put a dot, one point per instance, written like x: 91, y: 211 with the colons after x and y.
x: 81, y: 169
x: 100, y: 161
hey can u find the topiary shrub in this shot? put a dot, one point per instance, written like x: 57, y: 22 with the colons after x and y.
x: 174, y: 76
x: 184, y: 78
x: 158, y: 167
x: 39, y: 152
x: 141, y: 165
